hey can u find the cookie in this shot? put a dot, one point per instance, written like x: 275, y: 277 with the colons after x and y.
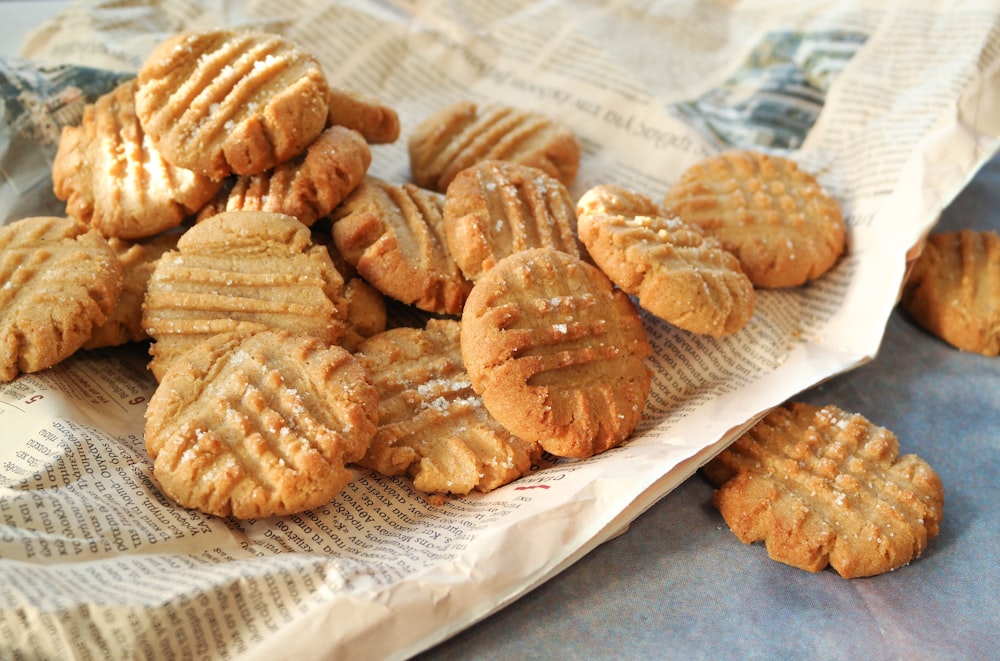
x: 138, y: 259
x: 953, y: 289
x: 777, y: 220
x: 366, y: 313
x: 260, y: 424
x: 495, y: 208
x: 60, y: 280
x: 308, y: 186
x: 460, y: 135
x: 432, y: 425
x: 112, y: 176
x: 231, y: 101
x: 377, y: 122
x: 394, y: 236
x: 241, y: 271
x: 556, y: 352
x: 675, y: 271
x: 823, y: 487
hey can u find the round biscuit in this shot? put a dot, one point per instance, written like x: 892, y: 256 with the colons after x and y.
x: 556, y: 352
x: 776, y: 218
x: 259, y: 424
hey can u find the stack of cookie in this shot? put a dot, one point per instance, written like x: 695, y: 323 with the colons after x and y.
x: 219, y: 206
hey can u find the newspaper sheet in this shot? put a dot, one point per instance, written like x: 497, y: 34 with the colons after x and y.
x: 893, y: 108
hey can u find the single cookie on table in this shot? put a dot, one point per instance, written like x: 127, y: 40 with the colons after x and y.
x: 495, y: 208
x: 557, y: 352
x: 241, y: 271
x: 677, y: 273
x: 259, y: 424
x: 138, y: 259
x: 777, y: 220
x: 223, y: 102
x: 377, y: 122
x: 460, y: 135
x: 112, y: 176
x: 823, y: 487
x: 953, y: 289
x: 432, y: 425
x: 308, y: 186
x: 394, y: 236
x: 60, y: 280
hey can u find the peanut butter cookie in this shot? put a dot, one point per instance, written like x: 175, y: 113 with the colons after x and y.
x: 777, y: 220
x: 953, y: 290
x: 259, y: 424
x: 432, y: 424
x: 495, y: 208
x: 59, y: 280
x: 241, y: 271
x: 821, y: 487
x: 556, y: 352
x: 231, y: 101
x: 460, y: 135
x: 677, y: 273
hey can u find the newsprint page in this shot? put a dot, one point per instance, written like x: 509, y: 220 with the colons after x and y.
x: 892, y: 106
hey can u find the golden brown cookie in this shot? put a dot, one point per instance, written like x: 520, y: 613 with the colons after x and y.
x: 777, y: 220
x: 394, y: 237
x: 241, y: 271
x: 260, y: 424
x: 231, y: 101
x: 366, y: 313
x: 432, y: 425
x: 821, y: 486
x: 557, y: 352
x: 138, y: 260
x: 308, y: 186
x: 112, y: 176
x: 953, y: 290
x: 460, y: 135
x: 495, y: 208
x: 59, y: 279
x: 377, y: 122
x: 677, y: 273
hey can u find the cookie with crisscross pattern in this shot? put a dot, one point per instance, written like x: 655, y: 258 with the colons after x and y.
x: 821, y: 486
x: 775, y: 217
x: 557, y: 352
x: 432, y: 424
x: 259, y: 424
x: 677, y: 273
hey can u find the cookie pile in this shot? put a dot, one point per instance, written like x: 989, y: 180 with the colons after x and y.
x: 219, y: 206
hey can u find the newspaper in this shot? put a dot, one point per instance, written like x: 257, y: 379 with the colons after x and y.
x: 893, y: 110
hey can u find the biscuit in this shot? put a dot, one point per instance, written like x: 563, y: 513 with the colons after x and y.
x: 112, y: 176
x: 953, y: 289
x: 674, y: 270
x: 138, y: 260
x: 823, y: 487
x: 366, y: 313
x: 308, y: 186
x: 460, y: 135
x: 60, y: 280
x: 774, y: 217
x: 260, y: 424
x: 377, y: 122
x: 432, y: 425
x: 394, y: 237
x: 231, y: 101
x: 495, y: 208
x: 556, y: 352
x: 241, y: 271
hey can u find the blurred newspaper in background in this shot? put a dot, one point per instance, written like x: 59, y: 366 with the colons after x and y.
x: 893, y: 110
